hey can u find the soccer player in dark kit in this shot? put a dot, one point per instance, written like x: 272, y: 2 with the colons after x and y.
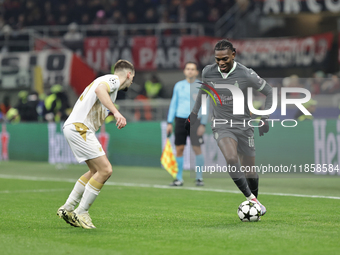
x: 235, y: 137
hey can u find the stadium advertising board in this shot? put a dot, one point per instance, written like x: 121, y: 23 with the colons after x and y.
x: 172, y: 52
x: 319, y: 144
x: 298, y: 6
x: 58, y: 67
x: 16, y: 68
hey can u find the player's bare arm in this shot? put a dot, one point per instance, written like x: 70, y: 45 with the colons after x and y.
x: 104, y: 97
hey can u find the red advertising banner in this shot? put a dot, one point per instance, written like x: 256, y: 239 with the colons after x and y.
x: 81, y: 75
x: 284, y: 52
x: 47, y: 44
x: 96, y: 52
x: 172, y: 52
x: 144, y: 52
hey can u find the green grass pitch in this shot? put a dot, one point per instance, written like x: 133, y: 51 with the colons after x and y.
x: 137, y: 214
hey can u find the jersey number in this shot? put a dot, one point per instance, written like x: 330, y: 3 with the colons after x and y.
x: 251, y: 141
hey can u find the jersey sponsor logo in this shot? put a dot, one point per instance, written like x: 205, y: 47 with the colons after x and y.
x: 213, y: 90
x: 226, y: 100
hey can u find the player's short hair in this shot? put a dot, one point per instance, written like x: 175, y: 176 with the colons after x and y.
x: 191, y: 62
x: 224, y: 45
x: 122, y: 65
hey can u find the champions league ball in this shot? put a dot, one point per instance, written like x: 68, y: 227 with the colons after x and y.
x: 249, y: 211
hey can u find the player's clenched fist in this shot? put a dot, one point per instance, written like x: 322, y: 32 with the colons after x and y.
x: 121, y: 121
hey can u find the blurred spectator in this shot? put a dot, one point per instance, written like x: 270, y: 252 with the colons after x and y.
x: 310, y: 106
x: 56, y: 104
x: 51, y: 20
x: 80, y: 8
x: 214, y: 15
x: 153, y: 88
x: 22, y: 100
x: 131, y: 17
x: 100, y: 18
x: 26, y: 106
x: 73, y: 38
x: 85, y: 19
x: 330, y: 85
x: 31, y: 113
x: 21, y: 22
x: 73, y: 34
x: 94, y: 7
x: 116, y: 18
x: 13, y: 115
x: 292, y: 81
x: 196, y: 10
x: 5, y: 105
x: 150, y: 16
x: 6, y: 30
x: 318, y: 79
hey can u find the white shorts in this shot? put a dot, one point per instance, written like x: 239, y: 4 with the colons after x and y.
x: 83, y: 142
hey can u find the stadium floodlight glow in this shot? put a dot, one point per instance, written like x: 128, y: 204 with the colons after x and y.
x: 238, y: 100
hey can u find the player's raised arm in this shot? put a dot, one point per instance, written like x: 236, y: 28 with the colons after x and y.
x: 104, y: 97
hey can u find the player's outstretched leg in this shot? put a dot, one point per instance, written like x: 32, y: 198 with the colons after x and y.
x: 252, y: 177
x: 241, y: 182
x: 228, y: 148
x: 253, y: 183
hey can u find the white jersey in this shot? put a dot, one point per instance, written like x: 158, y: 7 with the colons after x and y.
x: 88, y: 108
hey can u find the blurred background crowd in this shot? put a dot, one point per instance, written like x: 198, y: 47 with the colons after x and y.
x: 97, y: 30
x: 22, y: 13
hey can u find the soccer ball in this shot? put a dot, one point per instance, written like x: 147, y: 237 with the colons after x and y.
x: 249, y: 211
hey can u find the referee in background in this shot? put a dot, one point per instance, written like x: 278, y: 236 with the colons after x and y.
x: 184, y: 96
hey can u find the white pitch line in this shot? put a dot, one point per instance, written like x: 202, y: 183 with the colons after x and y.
x: 31, y: 178
x: 31, y: 191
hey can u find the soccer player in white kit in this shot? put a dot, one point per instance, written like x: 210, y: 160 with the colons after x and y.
x: 88, y: 114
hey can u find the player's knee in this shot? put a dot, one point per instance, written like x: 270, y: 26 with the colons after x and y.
x: 107, y: 170
x: 232, y: 159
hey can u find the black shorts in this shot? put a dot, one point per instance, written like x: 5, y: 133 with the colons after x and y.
x: 181, y: 133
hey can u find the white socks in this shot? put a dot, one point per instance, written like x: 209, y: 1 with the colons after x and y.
x: 250, y: 197
x: 91, y: 192
x: 76, y: 194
